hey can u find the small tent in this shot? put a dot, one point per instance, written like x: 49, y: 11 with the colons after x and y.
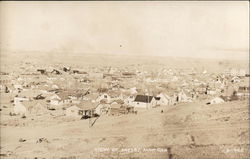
x: 216, y: 100
x: 19, y: 109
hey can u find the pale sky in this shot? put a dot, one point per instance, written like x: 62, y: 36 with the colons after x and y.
x: 187, y: 29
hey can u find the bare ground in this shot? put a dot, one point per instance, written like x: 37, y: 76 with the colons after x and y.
x: 192, y: 130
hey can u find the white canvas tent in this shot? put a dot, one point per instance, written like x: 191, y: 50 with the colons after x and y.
x: 217, y: 100
x: 19, y: 109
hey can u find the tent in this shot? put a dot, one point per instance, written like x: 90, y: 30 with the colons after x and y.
x: 216, y: 100
x: 20, y: 109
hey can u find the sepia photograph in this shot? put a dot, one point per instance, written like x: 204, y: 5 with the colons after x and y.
x: 124, y: 80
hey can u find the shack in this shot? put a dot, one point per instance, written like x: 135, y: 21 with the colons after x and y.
x: 144, y: 101
x: 42, y: 71
x: 87, y: 109
x: 117, y: 109
x: 243, y: 92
